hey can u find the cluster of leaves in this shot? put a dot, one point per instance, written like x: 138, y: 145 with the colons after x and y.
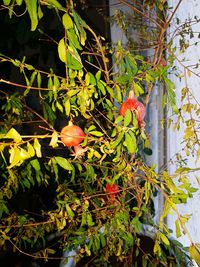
x: 79, y: 205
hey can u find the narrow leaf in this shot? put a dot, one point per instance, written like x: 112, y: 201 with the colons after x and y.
x: 62, y: 50
x: 194, y: 254
x: 63, y: 163
x: 32, y: 10
x: 67, y: 21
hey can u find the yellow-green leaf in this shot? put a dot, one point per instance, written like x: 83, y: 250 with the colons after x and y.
x: 6, y: 2
x: 55, y: 4
x: 164, y: 239
x: 70, y: 211
x: 67, y: 106
x: 36, y: 165
x: 67, y: 21
x: 96, y: 133
x: 63, y: 163
x: 194, y: 254
x: 130, y: 142
x: 62, y: 50
x: 178, y: 230
x: 32, y: 10
x: 127, y: 118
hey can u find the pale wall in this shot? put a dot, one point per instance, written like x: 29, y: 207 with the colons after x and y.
x: 187, y: 9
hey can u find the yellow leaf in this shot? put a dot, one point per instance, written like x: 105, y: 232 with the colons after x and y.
x: 13, y: 134
x: 31, y: 151
x: 164, y: 239
x: 17, y: 156
x: 54, y: 140
x: 37, y: 148
x: 194, y: 254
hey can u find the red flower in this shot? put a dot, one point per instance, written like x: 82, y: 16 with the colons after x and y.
x: 112, y: 190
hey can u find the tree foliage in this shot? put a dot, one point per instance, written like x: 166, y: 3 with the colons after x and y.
x: 98, y: 202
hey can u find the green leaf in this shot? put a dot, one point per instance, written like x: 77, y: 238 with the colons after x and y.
x: 118, y: 93
x: 32, y: 10
x: 101, y: 87
x: 164, y: 239
x: 127, y: 118
x: 63, y: 163
x: 67, y: 107
x: 92, y: 78
x: 178, y: 230
x: 39, y: 80
x: 110, y: 91
x: 102, y: 239
x: 70, y: 211
x: 137, y: 225
x: 13, y: 134
x: 67, y: 21
x: 138, y: 90
x: 87, y: 250
x: 59, y: 106
x: 124, y: 79
x: 89, y: 219
x: 73, y: 92
x: 96, y: 133
x: 171, y: 94
x: 55, y: 4
x: 62, y: 50
x: 40, y: 13
x: 35, y: 164
x: 130, y: 142
x: 6, y: 2
x: 98, y: 75
x: 118, y: 140
x: 78, y: 20
x: 73, y: 39
x: 73, y: 59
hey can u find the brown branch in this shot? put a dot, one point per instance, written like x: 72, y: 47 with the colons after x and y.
x: 102, y: 54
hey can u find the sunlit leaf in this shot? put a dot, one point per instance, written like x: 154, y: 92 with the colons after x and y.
x: 62, y: 50
x: 164, y: 239
x: 6, y: 2
x: 195, y: 254
x: 63, y: 163
x: 54, y: 140
x: 67, y: 107
x: 37, y: 148
x: 30, y: 150
x: 178, y: 230
x: 130, y: 143
x: 96, y: 133
x: 13, y: 134
x: 127, y: 118
x: 32, y: 10
x: 67, y: 21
